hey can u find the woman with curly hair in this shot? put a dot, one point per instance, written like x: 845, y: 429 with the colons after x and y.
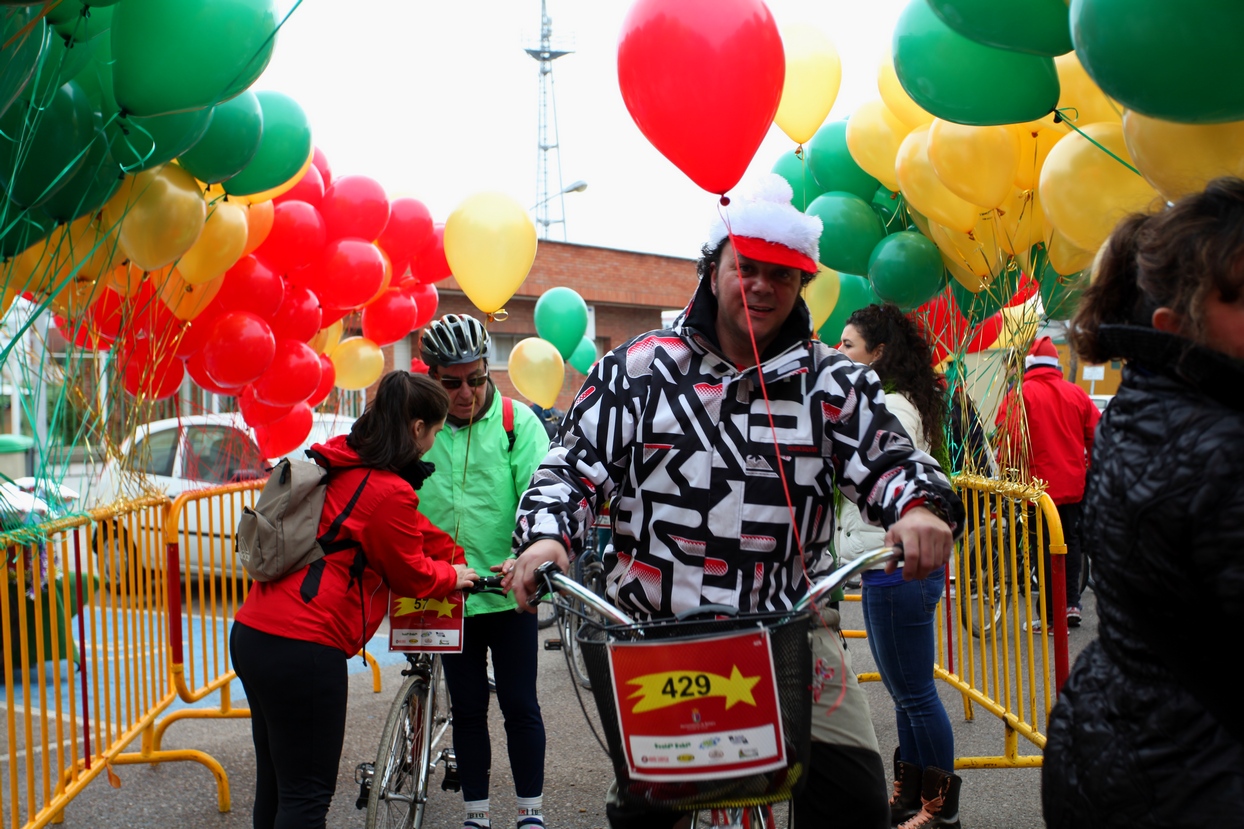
x: 898, y: 614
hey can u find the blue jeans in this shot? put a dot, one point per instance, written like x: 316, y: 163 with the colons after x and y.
x: 899, y: 621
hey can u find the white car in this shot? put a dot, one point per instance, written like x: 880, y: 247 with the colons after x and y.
x: 181, y: 455
x: 1101, y: 401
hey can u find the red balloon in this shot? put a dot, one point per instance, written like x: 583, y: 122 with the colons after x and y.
x: 256, y: 413
x: 299, y: 316
x: 239, y: 349
x: 350, y: 273
x: 328, y: 379
x: 702, y: 80
x: 297, y: 237
x: 389, y: 317
x: 431, y: 265
x: 1027, y: 288
x: 283, y: 436
x: 150, y: 317
x: 320, y: 162
x: 986, y: 334
x: 196, y: 367
x: 293, y: 376
x: 331, y: 315
x: 310, y: 189
x: 418, y: 366
x: 80, y: 334
x: 426, y: 299
x: 152, y: 370
x: 409, y: 230
x: 107, y: 314
x: 356, y: 207
x: 250, y: 285
x: 195, y: 334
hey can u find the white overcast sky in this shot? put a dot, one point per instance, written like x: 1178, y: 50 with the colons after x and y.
x: 437, y: 100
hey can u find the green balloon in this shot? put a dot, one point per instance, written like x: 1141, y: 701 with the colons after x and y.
x: 889, y: 208
x: 854, y: 293
x: 95, y: 78
x: 1038, y: 27
x: 1175, y: 61
x: 73, y: 57
x: 832, y: 164
x: 976, y: 308
x: 180, y: 55
x: 231, y: 140
x: 19, y: 229
x: 51, y: 149
x: 851, y: 231
x: 561, y: 318
x: 142, y: 143
x: 73, y: 22
x: 792, y: 168
x: 1061, y: 295
x: 584, y: 356
x: 906, y: 269
x: 959, y: 80
x: 87, y: 190
x: 283, y: 148
x: 20, y: 54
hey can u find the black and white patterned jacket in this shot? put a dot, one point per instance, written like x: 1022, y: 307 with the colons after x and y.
x: 679, y: 441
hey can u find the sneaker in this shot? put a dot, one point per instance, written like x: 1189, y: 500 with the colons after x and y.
x: 1073, y: 616
x: 1036, y: 627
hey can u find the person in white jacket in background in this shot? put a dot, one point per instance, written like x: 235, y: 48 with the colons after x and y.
x: 898, y: 614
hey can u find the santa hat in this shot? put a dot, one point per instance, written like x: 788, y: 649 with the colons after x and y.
x: 1042, y: 353
x: 765, y: 226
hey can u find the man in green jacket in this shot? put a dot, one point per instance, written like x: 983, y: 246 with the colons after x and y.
x: 484, y: 458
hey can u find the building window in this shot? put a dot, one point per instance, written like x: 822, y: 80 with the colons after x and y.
x: 499, y: 348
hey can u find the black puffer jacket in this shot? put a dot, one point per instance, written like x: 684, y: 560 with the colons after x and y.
x: 1149, y: 730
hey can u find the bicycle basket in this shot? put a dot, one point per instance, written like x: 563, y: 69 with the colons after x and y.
x: 792, y: 663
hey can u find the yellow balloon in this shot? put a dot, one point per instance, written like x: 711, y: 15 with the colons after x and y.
x: 220, y: 245
x: 326, y: 339
x: 128, y: 278
x: 977, y: 164
x: 76, y: 297
x: 537, y: 371
x: 897, y: 99
x: 874, y: 135
x: 259, y: 218
x: 813, y: 75
x: 490, y: 244
x: 1020, y: 221
x: 1085, y: 192
x: 1019, y: 325
x: 186, y: 299
x: 1065, y: 258
x: 1080, y: 99
x: 976, y: 251
x: 822, y: 295
x: 359, y: 363
x: 922, y: 187
x: 76, y: 251
x: 1179, y: 159
x: 160, y: 213
x: 1035, y: 143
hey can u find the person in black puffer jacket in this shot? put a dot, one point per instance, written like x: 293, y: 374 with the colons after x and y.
x: 1149, y: 729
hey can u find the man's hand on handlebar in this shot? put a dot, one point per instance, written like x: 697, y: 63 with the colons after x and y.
x: 927, y: 542
x: 466, y: 576
x: 520, y: 573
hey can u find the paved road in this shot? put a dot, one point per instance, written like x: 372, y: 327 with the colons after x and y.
x: 577, y: 772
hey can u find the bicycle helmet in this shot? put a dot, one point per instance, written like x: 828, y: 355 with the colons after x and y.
x: 454, y: 339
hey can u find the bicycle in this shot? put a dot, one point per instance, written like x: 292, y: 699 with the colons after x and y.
x: 394, y: 789
x: 731, y: 797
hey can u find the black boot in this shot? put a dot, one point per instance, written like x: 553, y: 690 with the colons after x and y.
x: 940, y: 801
x: 905, y: 801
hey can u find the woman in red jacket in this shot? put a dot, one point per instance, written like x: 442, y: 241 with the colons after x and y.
x: 291, y: 639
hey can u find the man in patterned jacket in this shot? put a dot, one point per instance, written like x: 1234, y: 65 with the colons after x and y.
x: 674, y: 428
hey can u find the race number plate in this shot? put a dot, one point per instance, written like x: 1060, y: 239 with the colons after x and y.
x: 698, y: 710
x: 426, y: 625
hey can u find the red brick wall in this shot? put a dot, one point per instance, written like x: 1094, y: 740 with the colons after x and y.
x: 628, y: 290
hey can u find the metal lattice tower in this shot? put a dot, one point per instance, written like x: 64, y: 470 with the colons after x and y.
x: 548, y: 154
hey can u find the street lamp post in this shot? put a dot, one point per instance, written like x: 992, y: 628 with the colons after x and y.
x: 542, y: 216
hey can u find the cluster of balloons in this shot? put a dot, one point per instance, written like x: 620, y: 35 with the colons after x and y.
x: 537, y: 365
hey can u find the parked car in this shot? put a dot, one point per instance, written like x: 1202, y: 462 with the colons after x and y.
x: 181, y: 455
x: 1101, y: 401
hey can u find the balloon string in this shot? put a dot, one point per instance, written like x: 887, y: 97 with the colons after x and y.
x: 1062, y: 117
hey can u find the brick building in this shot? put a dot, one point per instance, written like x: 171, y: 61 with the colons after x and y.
x: 626, y: 292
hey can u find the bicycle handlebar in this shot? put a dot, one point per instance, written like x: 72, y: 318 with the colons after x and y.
x: 556, y: 581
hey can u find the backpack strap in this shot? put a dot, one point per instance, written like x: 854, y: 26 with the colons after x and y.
x: 507, y: 418
x: 328, y: 540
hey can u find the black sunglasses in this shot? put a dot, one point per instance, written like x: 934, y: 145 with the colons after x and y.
x: 452, y: 383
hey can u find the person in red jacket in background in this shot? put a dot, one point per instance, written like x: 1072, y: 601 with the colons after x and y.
x: 1061, y: 420
x: 292, y: 638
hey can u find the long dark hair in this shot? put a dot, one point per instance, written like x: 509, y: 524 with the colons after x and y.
x: 905, y: 365
x: 381, y: 436
x: 1173, y: 259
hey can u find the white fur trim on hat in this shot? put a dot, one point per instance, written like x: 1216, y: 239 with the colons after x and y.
x: 766, y: 213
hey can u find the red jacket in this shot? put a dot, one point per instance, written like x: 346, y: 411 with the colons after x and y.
x: 1061, y: 420
x: 404, y: 551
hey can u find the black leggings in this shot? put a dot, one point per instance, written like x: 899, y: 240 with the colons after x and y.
x: 297, y: 693
x: 512, y: 638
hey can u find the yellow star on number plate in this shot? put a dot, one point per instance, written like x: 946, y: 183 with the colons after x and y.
x: 668, y: 688
x: 443, y: 607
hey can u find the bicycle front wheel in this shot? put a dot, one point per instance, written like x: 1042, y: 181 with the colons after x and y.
x: 399, y: 789
x: 593, y: 578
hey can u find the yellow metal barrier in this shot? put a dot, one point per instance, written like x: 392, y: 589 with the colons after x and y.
x: 83, y: 614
